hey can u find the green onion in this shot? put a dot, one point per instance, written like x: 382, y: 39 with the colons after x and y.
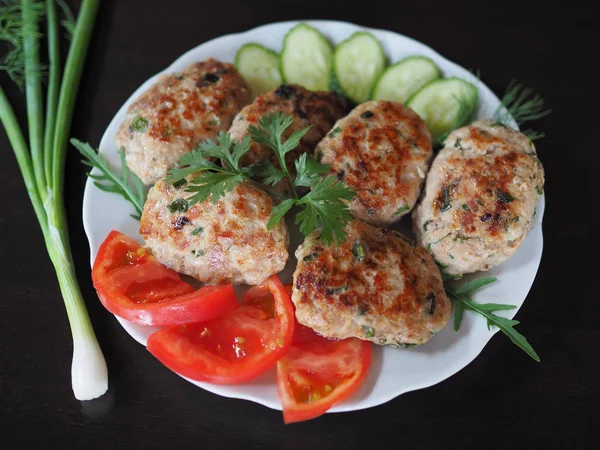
x: 139, y: 124
x: 180, y: 205
x: 358, y: 251
x: 41, y: 162
x: 334, y: 132
x: 197, y: 231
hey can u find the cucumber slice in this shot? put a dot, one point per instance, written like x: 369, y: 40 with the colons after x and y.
x: 445, y: 105
x: 401, y: 80
x: 358, y: 62
x: 259, y: 66
x: 306, y: 58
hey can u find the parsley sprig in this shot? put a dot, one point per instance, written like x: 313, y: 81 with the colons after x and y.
x: 209, y: 180
x: 322, y: 207
x: 462, y: 301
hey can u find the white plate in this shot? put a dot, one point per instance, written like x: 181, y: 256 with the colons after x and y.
x: 393, y: 371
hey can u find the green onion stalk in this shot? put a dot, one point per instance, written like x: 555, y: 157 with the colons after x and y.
x: 42, y: 163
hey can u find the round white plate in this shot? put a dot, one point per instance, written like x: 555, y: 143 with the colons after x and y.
x: 393, y: 371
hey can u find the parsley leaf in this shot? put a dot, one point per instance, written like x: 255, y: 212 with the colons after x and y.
x: 463, y: 301
x: 279, y: 211
x: 309, y: 171
x: 323, y: 205
x: 207, y: 178
x: 270, y: 133
x: 267, y: 172
x: 212, y: 184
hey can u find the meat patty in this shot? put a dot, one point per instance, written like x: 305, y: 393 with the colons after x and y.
x: 381, y: 150
x: 377, y: 286
x: 310, y: 108
x: 480, y: 198
x: 216, y: 243
x: 179, y: 111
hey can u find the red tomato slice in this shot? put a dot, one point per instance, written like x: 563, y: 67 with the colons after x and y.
x: 132, y: 284
x: 235, y: 348
x: 317, y: 373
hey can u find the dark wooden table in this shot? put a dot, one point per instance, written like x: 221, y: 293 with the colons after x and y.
x: 502, y: 400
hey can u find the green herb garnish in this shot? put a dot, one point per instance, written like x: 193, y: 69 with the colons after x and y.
x: 180, y: 183
x: 366, y: 115
x: 401, y: 210
x: 462, y: 301
x: 504, y: 196
x: 323, y: 207
x: 180, y: 205
x: 310, y: 257
x: 334, y: 132
x: 466, y: 207
x: 445, y: 199
x: 127, y: 184
x: 197, y: 231
x: 521, y: 105
x: 358, y: 251
x: 538, y: 190
x: 139, y: 124
x: 369, y: 331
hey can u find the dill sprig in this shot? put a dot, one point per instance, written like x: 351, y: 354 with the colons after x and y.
x: 69, y: 20
x: 14, y: 31
x: 521, y: 105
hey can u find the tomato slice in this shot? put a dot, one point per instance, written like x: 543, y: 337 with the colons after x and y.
x: 132, y: 284
x: 235, y: 348
x: 317, y: 373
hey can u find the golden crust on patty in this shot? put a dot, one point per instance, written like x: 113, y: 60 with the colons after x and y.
x: 381, y: 150
x: 480, y: 198
x: 176, y: 113
x: 216, y: 243
x: 316, y: 109
x: 376, y: 286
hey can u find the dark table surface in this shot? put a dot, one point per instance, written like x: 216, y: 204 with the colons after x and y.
x: 501, y: 400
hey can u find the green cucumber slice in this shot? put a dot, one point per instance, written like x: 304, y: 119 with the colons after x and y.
x: 306, y: 58
x: 401, y: 80
x: 358, y: 62
x: 445, y: 105
x: 259, y: 66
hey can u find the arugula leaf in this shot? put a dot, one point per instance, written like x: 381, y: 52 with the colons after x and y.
x: 323, y: 205
x: 309, y: 171
x: 471, y: 286
x: 461, y: 296
x: 459, y: 311
x: 279, y: 211
x: 109, y: 181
